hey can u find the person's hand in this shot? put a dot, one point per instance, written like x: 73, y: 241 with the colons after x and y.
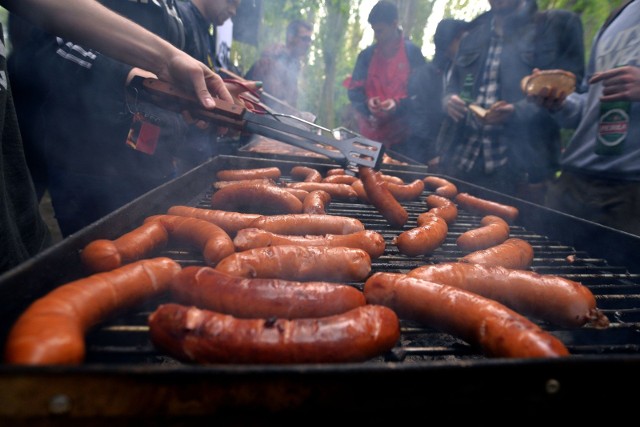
x: 373, y: 104
x: 548, y: 97
x: 456, y: 108
x: 619, y: 84
x: 498, y: 113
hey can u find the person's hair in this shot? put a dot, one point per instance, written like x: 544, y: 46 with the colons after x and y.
x: 446, y: 32
x: 383, y: 12
x: 294, y: 27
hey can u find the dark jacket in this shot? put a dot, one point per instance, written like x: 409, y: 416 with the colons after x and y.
x: 533, y: 39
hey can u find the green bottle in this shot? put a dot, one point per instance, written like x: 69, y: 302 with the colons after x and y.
x: 613, y: 126
x: 467, y: 89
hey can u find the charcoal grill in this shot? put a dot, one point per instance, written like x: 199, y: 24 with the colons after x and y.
x: 125, y: 378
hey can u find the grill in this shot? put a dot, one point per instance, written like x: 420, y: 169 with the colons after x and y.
x: 125, y: 378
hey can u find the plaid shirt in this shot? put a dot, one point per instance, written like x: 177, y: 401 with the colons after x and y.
x: 483, y: 138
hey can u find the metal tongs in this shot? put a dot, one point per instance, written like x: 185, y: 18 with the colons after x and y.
x: 350, y: 153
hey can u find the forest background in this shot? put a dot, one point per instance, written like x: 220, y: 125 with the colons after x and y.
x: 341, y: 31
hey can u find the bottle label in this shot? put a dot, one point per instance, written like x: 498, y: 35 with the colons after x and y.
x: 612, y: 131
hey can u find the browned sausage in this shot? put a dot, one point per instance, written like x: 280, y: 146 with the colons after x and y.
x: 368, y: 240
x: 546, y: 297
x: 230, y: 222
x: 212, y: 240
x: 244, y: 174
x: 51, y: 330
x: 211, y: 289
x: 382, y: 199
x: 443, y: 187
x: 513, y: 253
x: 337, y: 191
x: 306, y: 174
x: 493, y: 230
x: 424, y: 239
x: 316, y: 202
x: 392, y: 179
x: 406, y: 192
x: 299, y: 193
x: 221, y: 184
x: 442, y: 207
x: 497, y: 330
x: 303, y: 263
x: 256, y: 198
x: 481, y: 206
x: 358, y: 187
x: 335, y: 171
x: 340, y: 179
x: 105, y: 255
x: 308, y: 224
x: 202, y: 336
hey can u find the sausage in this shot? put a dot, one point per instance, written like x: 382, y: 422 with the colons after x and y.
x: 493, y: 230
x: 299, y: 193
x: 406, y: 192
x: 392, y: 179
x: 340, y: 179
x: 368, y: 240
x: 51, y: 330
x: 316, y: 202
x: 337, y: 191
x: 306, y: 174
x: 495, y: 329
x: 308, y: 224
x: 442, y: 186
x: 212, y: 240
x: 382, y: 199
x: 210, y: 289
x: 105, y: 255
x: 554, y: 299
x: 256, y: 198
x: 442, y: 207
x: 335, y: 171
x: 513, y: 253
x: 221, y: 184
x: 230, y: 222
x: 481, y: 206
x: 303, y: 263
x: 358, y: 187
x: 245, y: 174
x: 424, y: 239
x: 202, y: 336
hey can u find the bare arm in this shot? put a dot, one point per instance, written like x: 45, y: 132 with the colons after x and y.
x: 90, y: 23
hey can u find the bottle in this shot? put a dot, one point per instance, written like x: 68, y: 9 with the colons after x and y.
x: 467, y: 89
x: 613, y: 126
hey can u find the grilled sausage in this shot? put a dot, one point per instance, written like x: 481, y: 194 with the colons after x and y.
x: 497, y: 330
x: 481, y: 206
x: 440, y: 206
x: 493, y: 230
x: 51, y: 330
x: 221, y: 184
x: 230, y: 222
x: 554, y: 299
x: 382, y: 199
x: 406, y: 192
x: 337, y: 191
x: 335, y: 171
x: 316, y: 202
x: 361, y: 193
x: 513, y: 253
x: 202, y: 336
x: 340, y: 179
x: 245, y: 174
x: 105, y: 255
x: 299, y: 193
x: 211, y: 289
x: 368, y: 240
x: 212, y: 240
x: 441, y: 186
x: 424, y: 239
x: 306, y: 174
x: 256, y: 198
x: 307, y: 224
x: 303, y: 263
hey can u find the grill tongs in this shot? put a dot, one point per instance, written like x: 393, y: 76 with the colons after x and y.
x: 350, y: 153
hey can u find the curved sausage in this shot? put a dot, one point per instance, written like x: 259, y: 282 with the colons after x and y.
x: 244, y: 174
x: 442, y: 207
x: 306, y: 174
x: 230, y: 222
x: 303, y: 263
x: 202, y: 336
x: 497, y: 330
x: 316, y: 202
x: 337, y: 191
x: 382, y: 199
x: 256, y: 198
x: 406, y: 192
x: 554, y: 299
x: 368, y: 240
x: 212, y: 240
x: 443, y: 187
x: 51, y: 330
x: 481, y: 206
x: 210, y: 289
x: 340, y: 179
x: 308, y: 224
x: 335, y: 171
x: 105, y: 255
x: 361, y: 193
x: 424, y: 239
x: 391, y: 179
x: 493, y: 230
x: 513, y: 253
x: 299, y: 193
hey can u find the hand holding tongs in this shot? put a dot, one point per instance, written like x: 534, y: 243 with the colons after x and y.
x: 350, y: 153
